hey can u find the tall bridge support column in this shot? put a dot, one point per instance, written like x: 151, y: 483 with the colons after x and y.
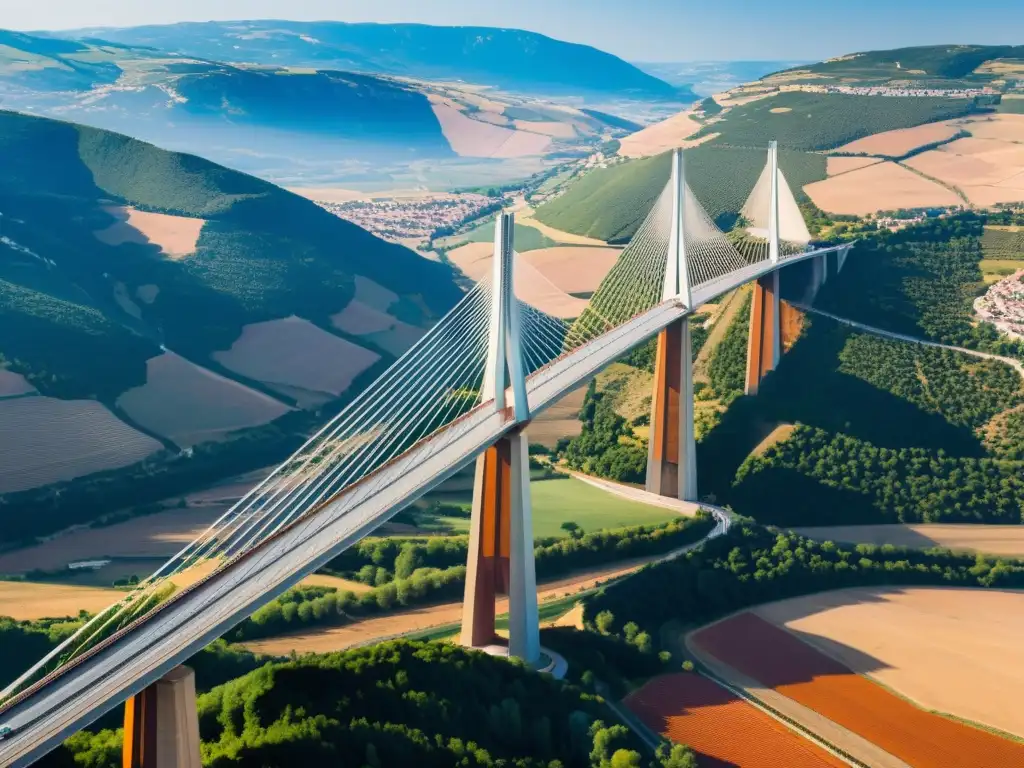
x: 161, y: 727
x: 764, y: 347
x: 501, y: 550
x: 672, y: 447
x: 501, y: 530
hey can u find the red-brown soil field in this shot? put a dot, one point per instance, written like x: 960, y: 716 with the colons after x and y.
x: 723, y: 730
x: 760, y: 650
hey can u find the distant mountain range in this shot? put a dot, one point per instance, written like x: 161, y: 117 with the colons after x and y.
x: 509, y: 59
x: 706, y: 78
x: 286, y: 121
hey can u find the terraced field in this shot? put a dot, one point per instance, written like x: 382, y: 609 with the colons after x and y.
x: 46, y: 440
x: 758, y: 649
x: 722, y: 729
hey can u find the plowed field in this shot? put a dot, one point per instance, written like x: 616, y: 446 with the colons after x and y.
x: 759, y: 649
x: 722, y: 729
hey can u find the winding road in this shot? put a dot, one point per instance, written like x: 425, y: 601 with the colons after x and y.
x: 1017, y: 365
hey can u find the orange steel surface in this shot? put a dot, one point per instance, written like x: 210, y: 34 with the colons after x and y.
x: 760, y: 346
x: 140, y: 724
x: 722, y: 729
x: 494, y: 500
x: 665, y: 403
x: 778, y: 659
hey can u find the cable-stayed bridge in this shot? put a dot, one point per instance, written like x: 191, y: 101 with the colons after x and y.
x: 465, y: 392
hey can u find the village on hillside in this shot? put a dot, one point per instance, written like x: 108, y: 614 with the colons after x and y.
x: 1003, y: 305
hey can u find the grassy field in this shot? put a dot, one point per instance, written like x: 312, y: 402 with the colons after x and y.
x: 560, y: 500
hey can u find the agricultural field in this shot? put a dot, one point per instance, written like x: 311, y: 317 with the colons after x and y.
x: 574, y: 269
x: 527, y: 238
x: 970, y: 665
x: 840, y: 165
x: 189, y: 405
x: 721, y: 728
x: 1001, y: 540
x: 175, y: 236
x: 988, y: 167
x: 817, y: 121
x: 472, y: 138
x: 367, y: 316
x: 558, y: 421
x: 296, y: 358
x: 13, y: 384
x: 902, y: 141
x: 610, y: 203
x: 878, y: 187
x: 777, y: 658
x: 49, y: 440
x: 1003, y: 242
x: 660, y: 137
x: 531, y: 285
x: 24, y: 601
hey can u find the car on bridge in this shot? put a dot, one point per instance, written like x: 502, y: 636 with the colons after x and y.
x: 5, y: 731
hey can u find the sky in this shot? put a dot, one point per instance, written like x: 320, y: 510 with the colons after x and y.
x: 637, y: 30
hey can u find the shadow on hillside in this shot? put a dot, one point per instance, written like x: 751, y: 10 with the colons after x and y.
x: 808, y: 389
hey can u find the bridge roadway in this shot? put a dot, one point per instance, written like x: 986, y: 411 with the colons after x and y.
x: 75, y: 695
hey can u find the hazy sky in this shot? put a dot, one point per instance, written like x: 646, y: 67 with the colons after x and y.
x: 639, y: 30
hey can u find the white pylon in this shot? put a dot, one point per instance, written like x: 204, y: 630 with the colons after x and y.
x: 677, y: 273
x: 504, y: 366
x: 773, y: 210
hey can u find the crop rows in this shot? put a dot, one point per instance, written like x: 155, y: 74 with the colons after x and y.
x: 1000, y: 243
x: 48, y: 441
x: 691, y: 709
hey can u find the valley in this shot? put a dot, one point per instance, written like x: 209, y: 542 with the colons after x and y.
x: 179, y: 317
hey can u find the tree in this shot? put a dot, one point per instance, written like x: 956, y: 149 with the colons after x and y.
x: 573, y: 529
x: 675, y: 756
x: 604, y: 621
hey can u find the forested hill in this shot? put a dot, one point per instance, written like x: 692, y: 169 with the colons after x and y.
x: 152, y: 301
x: 507, y: 58
x: 921, y: 65
x: 262, y: 254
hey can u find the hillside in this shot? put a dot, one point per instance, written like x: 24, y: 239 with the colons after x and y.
x: 609, y: 203
x: 136, y: 280
x: 510, y: 59
x: 940, y: 66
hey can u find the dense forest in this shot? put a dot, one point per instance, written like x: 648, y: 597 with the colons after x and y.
x: 754, y: 564
x: 401, y: 703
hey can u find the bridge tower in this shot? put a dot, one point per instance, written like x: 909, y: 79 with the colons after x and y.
x: 672, y: 447
x: 501, y: 529
x: 161, y: 726
x: 764, y: 346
